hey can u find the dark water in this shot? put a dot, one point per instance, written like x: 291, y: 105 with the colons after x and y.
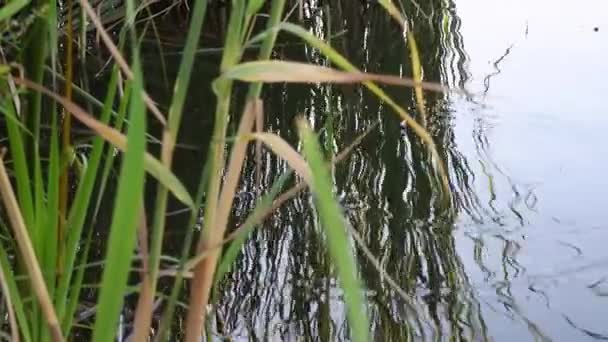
x: 523, y: 258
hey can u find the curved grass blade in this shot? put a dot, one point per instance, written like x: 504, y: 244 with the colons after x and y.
x: 281, y: 148
x: 274, y: 71
x: 417, y: 75
x: 392, y: 10
x: 344, y: 64
x: 118, y: 58
x: 152, y: 165
x: 338, y: 244
x: 143, y: 314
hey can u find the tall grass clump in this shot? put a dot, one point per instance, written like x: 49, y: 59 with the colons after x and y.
x: 52, y: 191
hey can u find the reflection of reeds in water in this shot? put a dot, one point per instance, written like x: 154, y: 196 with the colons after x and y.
x: 286, y: 287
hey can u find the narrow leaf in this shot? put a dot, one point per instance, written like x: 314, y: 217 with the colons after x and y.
x: 152, y: 165
x: 13, y: 291
x: 274, y: 71
x: 123, y: 228
x: 333, y: 223
x: 28, y: 255
x: 9, y: 9
x: 281, y: 148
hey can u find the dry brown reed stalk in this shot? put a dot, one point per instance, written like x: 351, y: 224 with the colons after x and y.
x: 145, y: 301
x: 276, y: 204
x: 202, y: 285
x: 9, y: 305
x: 26, y: 250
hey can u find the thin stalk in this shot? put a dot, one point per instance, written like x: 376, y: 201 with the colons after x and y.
x: 167, y: 318
x: 126, y: 214
x: 276, y: 12
x: 143, y: 314
x: 66, y: 129
x: 255, y: 89
x: 34, y: 56
x: 199, y: 294
x: 226, y: 197
x: 18, y: 305
x: 77, y: 213
x: 28, y: 254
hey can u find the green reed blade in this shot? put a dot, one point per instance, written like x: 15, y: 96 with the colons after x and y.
x: 11, y: 8
x: 338, y: 243
x: 79, y: 209
x: 18, y: 305
x: 143, y: 314
x: 18, y: 155
x: 127, y: 210
x: 275, y: 18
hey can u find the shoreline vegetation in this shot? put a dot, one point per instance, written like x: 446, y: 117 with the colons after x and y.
x: 67, y: 147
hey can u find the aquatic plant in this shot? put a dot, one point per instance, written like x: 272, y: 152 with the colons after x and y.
x: 53, y: 186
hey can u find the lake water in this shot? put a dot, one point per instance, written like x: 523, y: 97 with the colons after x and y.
x: 523, y: 258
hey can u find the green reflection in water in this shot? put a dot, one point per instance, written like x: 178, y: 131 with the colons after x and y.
x: 284, y: 286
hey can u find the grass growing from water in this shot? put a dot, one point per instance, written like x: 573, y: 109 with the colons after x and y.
x: 46, y: 224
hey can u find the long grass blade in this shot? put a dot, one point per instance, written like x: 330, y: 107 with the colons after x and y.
x: 49, y: 241
x: 6, y: 292
x: 11, y: 8
x: 17, y: 301
x: 338, y: 243
x: 167, y: 318
x: 295, y: 72
x: 121, y: 241
x: 199, y: 294
x: 28, y: 255
x: 79, y: 211
x: 214, y: 236
x: 143, y: 314
x: 20, y: 163
x: 66, y: 133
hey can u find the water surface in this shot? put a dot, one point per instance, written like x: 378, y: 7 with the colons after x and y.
x: 523, y: 258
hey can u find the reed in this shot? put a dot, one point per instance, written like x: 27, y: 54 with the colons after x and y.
x: 53, y: 195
